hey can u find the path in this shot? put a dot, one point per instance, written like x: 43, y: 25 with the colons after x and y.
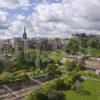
x: 88, y: 78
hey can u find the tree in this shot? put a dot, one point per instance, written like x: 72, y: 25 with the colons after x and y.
x: 38, y: 62
x: 70, y: 65
x: 1, y: 66
x: 60, y: 84
x: 46, y: 61
x: 56, y: 56
x: 73, y: 47
x: 51, y: 67
x: 79, y: 66
x: 21, y: 57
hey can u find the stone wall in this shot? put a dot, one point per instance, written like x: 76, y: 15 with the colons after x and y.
x: 89, y: 62
x: 92, y: 63
x: 69, y: 58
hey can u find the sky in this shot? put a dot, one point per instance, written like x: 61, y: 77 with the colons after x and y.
x: 49, y: 18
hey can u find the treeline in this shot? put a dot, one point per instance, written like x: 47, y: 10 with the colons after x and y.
x: 84, y: 44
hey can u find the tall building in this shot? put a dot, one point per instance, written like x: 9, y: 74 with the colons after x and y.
x: 24, y: 34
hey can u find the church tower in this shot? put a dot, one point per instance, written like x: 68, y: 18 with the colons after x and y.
x: 25, y: 41
x: 24, y: 34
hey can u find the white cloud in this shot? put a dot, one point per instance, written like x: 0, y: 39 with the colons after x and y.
x: 56, y: 19
x: 4, y: 21
x: 3, y: 16
x: 20, y: 17
x: 16, y: 28
x: 12, y: 4
x: 67, y: 17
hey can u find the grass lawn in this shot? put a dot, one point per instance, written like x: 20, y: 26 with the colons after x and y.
x: 93, y: 52
x: 93, y: 87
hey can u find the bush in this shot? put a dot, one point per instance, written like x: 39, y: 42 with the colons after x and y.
x: 60, y: 84
x: 38, y: 95
x: 75, y: 76
x: 51, y: 94
x: 68, y: 82
x: 73, y: 87
x: 48, y: 86
x: 70, y: 65
x: 31, y: 96
x: 53, y: 74
x: 5, y: 76
x: 50, y: 76
x: 55, y: 95
x: 46, y: 61
x: 51, y: 67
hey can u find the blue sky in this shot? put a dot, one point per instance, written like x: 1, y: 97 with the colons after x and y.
x: 49, y: 18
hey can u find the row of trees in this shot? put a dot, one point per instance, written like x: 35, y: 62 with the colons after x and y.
x: 81, y: 44
x: 73, y: 66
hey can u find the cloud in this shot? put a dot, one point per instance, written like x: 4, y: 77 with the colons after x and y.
x: 55, y: 18
x: 4, y: 22
x: 66, y: 17
x: 16, y: 28
x: 3, y: 16
x: 12, y: 4
x: 20, y: 17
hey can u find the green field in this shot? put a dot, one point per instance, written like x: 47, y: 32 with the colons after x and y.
x: 93, y: 87
x: 93, y: 52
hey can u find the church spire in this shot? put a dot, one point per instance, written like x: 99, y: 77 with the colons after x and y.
x: 25, y: 34
x: 24, y: 29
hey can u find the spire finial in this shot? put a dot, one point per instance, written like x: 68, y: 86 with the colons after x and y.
x: 24, y: 29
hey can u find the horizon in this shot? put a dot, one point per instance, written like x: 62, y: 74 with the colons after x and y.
x: 48, y: 37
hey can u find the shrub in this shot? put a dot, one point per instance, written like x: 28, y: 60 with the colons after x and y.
x: 47, y: 61
x: 70, y: 65
x: 68, y: 82
x: 5, y: 76
x: 75, y: 76
x: 55, y: 95
x: 51, y: 94
x: 31, y: 96
x: 51, y: 67
x: 48, y: 86
x: 53, y: 74
x: 38, y: 95
x: 60, y: 84
x: 73, y: 87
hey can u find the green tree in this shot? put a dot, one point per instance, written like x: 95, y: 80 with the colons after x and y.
x: 73, y: 47
x: 79, y: 66
x: 1, y: 66
x: 70, y: 65
x: 46, y: 61
x: 51, y: 67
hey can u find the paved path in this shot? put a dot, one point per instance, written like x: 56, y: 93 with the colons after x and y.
x: 88, y: 78
x: 24, y: 92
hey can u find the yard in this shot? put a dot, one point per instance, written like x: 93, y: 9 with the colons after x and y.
x: 93, y: 87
